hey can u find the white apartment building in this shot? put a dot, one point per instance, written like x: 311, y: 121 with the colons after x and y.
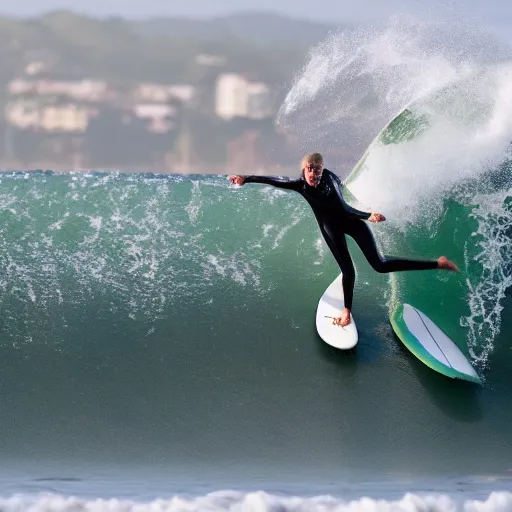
x: 30, y: 114
x: 64, y: 118
x: 231, y: 96
x: 23, y: 114
x: 82, y: 90
x: 235, y: 96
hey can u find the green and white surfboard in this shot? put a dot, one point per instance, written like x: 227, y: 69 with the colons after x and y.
x: 430, y: 344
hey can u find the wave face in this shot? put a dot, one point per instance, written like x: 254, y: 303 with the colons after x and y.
x: 170, y: 320
x: 140, y: 245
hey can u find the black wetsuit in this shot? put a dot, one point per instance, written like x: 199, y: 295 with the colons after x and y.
x: 336, y: 219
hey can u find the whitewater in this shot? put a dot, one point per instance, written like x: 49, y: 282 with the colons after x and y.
x: 259, y: 501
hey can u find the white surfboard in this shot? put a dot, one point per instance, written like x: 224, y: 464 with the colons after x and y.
x: 430, y: 344
x: 329, y: 307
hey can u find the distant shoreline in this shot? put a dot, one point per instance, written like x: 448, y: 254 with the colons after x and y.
x: 190, y: 170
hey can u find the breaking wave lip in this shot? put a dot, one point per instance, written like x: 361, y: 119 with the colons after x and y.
x: 235, y: 501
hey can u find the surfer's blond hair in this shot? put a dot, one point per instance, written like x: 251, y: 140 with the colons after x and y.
x: 312, y: 158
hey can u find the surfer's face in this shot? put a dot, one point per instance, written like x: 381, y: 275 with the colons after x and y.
x: 313, y: 173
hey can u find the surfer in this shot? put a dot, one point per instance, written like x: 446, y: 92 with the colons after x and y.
x: 322, y: 189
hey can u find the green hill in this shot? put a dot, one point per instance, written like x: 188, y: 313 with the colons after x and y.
x: 268, y: 46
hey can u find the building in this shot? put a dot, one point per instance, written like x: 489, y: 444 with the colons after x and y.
x: 33, y: 115
x: 23, y: 114
x: 236, y: 96
x: 64, y: 118
x: 81, y: 90
x: 231, y: 96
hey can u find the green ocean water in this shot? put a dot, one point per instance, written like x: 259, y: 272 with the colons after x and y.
x: 170, y: 320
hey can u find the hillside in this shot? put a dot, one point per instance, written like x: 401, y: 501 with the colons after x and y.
x: 268, y: 46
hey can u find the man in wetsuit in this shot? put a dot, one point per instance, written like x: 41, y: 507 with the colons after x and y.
x: 322, y: 189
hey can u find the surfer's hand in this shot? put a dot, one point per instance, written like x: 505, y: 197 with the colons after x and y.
x: 376, y: 217
x: 236, y: 180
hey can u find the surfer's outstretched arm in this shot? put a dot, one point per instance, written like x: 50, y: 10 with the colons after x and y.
x: 275, y: 181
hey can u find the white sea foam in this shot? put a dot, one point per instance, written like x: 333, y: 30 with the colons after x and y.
x: 232, y: 501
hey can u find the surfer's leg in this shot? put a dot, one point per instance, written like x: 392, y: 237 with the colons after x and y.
x: 363, y: 236
x: 338, y: 246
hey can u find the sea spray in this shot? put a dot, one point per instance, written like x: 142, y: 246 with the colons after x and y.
x: 356, y: 81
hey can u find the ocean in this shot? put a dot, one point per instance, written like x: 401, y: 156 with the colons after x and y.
x: 159, y: 338
x: 159, y: 349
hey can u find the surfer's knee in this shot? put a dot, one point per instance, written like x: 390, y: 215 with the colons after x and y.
x: 380, y: 266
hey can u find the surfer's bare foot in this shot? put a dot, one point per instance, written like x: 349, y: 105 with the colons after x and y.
x: 344, y: 318
x: 444, y: 263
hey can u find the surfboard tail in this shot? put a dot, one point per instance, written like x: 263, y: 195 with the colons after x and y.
x: 329, y: 307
